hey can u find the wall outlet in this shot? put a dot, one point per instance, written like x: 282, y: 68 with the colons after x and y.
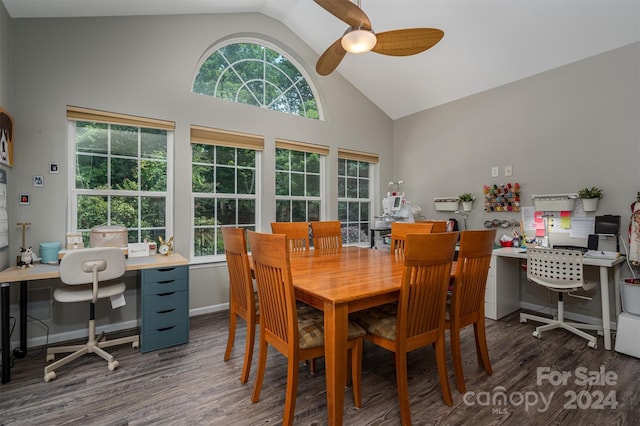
x: 508, y: 171
x: 495, y: 171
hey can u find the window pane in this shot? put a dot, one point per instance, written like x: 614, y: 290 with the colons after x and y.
x: 202, y: 178
x: 153, y: 212
x: 314, y: 211
x: 363, y: 188
x: 246, y: 181
x: 282, y: 183
x: 225, y: 180
x: 124, y: 211
x: 91, y: 172
x: 282, y: 159
x: 342, y: 211
x: 298, y: 211
x: 92, y: 211
x: 341, y: 166
x: 364, y: 212
x: 124, y: 140
x: 201, y: 153
x: 153, y: 143
x: 246, y: 157
x: 246, y: 212
x: 124, y: 174
x: 225, y: 155
x: 313, y: 186
x: 92, y: 137
x: 342, y: 187
x: 153, y: 175
x: 364, y: 169
x: 352, y: 188
x: 352, y: 168
x: 204, y: 211
x: 297, y: 184
x: 297, y: 161
x: 313, y: 163
x: 283, y: 211
x: 204, y: 240
x: 226, y: 211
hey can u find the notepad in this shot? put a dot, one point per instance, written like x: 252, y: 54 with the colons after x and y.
x: 599, y: 254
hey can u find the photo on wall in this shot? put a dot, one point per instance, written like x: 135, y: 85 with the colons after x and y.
x: 6, y: 138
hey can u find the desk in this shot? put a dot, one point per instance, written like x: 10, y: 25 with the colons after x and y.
x: 338, y: 284
x: 372, y: 233
x: 14, y: 275
x: 506, y: 272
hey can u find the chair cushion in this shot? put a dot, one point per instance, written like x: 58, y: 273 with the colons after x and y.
x: 380, y: 321
x: 84, y: 292
x: 311, y: 328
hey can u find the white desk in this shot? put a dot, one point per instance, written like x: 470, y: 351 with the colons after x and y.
x: 507, y: 276
x: 14, y: 275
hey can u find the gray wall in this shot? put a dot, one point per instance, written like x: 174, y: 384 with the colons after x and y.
x: 145, y: 66
x: 562, y: 130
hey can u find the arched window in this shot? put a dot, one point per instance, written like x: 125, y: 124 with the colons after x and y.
x: 257, y: 75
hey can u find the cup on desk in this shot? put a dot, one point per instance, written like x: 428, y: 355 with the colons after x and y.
x: 49, y: 252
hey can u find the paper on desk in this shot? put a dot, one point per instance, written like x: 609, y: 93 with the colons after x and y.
x: 582, y: 227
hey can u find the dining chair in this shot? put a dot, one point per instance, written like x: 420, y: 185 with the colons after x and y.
x: 327, y: 235
x: 242, y: 297
x: 88, y: 275
x: 438, y: 225
x: 560, y: 271
x: 296, y: 334
x: 399, y: 231
x: 417, y: 319
x: 297, y: 234
x: 466, y: 305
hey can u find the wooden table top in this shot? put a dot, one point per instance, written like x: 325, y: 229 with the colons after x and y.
x: 350, y: 275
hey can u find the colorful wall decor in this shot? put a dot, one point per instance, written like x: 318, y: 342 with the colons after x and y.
x: 502, y: 197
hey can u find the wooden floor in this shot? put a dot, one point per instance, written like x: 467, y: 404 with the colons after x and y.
x: 190, y: 384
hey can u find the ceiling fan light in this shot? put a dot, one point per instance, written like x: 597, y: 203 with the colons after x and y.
x: 357, y: 40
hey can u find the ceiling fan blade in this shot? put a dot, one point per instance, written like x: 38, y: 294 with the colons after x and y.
x: 331, y: 58
x: 346, y: 11
x: 407, y: 42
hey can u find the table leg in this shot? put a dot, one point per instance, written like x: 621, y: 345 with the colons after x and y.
x: 372, y: 237
x: 606, y: 315
x: 616, y: 289
x: 21, y: 352
x: 6, y: 342
x: 335, y: 340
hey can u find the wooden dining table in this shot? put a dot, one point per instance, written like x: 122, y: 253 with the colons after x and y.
x: 339, y: 283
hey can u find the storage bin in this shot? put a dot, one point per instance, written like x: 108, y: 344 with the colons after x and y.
x: 631, y: 296
x: 49, y: 252
x: 109, y: 236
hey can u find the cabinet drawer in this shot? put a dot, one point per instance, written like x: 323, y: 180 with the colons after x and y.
x: 163, y: 301
x: 164, y: 318
x: 163, y: 337
x: 166, y: 286
x: 165, y: 274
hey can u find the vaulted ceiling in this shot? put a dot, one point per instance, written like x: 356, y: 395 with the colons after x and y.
x: 487, y: 43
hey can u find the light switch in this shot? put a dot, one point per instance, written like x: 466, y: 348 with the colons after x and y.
x: 508, y: 171
x: 495, y: 171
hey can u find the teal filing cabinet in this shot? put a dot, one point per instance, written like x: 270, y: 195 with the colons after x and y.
x: 165, y: 307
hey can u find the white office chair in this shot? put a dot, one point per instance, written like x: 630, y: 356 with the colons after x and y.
x: 560, y: 271
x: 86, y: 273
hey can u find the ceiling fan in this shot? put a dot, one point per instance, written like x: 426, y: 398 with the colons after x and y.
x: 360, y: 38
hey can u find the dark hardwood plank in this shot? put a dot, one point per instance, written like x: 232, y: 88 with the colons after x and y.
x: 191, y: 384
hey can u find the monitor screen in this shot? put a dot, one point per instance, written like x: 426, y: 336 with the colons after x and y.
x: 397, y: 202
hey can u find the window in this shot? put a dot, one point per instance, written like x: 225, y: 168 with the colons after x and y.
x: 225, y: 186
x: 355, y: 181
x: 253, y: 74
x: 121, y: 169
x: 299, y: 177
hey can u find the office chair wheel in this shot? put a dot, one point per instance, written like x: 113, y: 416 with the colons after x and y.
x: 49, y: 376
x: 593, y: 345
x: 537, y: 334
x: 523, y: 320
x: 113, y: 365
x: 51, y: 357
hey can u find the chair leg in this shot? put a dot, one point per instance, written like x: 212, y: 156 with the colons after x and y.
x: 356, y: 371
x: 456, y: 354
x: 482, y: 350
x: 441, y: 360
x: 292, y: 391
x: 248, y: 351
x: 262, y: 364
x: 403, y: 388
x: 232, y: 335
